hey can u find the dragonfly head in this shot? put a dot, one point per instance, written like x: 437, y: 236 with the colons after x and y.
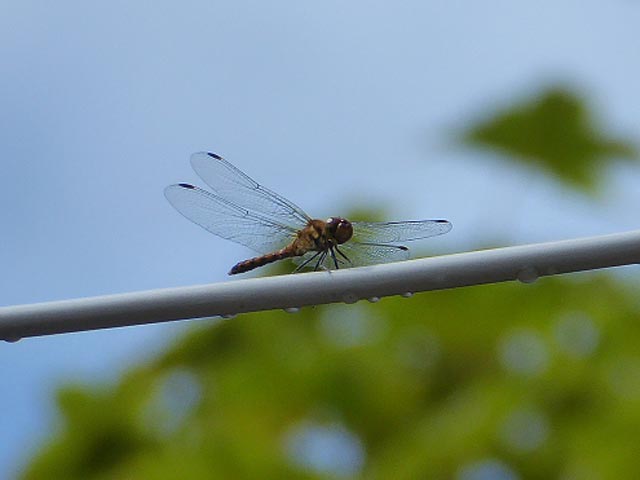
x: 340, y: 229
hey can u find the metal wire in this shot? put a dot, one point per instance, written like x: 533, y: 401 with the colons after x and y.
x: 525, y: 263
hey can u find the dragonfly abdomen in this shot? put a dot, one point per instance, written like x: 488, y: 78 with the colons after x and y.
x: 256, y: 262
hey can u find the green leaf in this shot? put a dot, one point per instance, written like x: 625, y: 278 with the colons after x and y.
x: 555, y: 132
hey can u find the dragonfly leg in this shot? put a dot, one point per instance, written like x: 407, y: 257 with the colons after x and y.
x: 343, y: 255
x: 321, y: 259
x: 335, y: 260
x: 307, y: 261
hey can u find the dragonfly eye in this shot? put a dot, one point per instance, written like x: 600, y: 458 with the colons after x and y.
x: 340, y: 228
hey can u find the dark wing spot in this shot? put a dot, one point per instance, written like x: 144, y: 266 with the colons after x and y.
x: 214, y: 155
x: 186, y: 185
x: 403, y: 248
x: 442, y: 221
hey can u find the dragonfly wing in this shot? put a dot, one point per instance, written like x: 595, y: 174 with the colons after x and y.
x: 230, y: 183
x: 359, y: 254
x: 366, y: 254
x: 378, y: 242
x: 227, y: 220
x: 394, y: 232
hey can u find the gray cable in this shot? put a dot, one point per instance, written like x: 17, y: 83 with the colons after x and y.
x: 290, y: 292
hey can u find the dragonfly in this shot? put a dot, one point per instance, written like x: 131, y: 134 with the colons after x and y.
x: 241, y: 210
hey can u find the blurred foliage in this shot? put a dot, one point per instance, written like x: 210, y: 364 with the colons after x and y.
x: 541, y: 380
x: 556, y: 132
x: 502, y: 381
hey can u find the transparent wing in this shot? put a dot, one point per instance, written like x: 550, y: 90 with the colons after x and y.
x: 394, y: 232
x: 364, y: 254
x: 359, y: 255
x: 233, y: 185
x: 227, y: 220
x: 378, y: 242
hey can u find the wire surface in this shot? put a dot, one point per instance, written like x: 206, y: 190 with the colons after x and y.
x: 525, y: 263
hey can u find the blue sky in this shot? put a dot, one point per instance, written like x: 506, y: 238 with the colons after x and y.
x: 333, y: 104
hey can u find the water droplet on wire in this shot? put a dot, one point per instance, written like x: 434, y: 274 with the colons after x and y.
x: 350, y: 298
x: 528, y: 275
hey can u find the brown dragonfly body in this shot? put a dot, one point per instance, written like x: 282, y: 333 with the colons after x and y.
x: 318, y: 236
x: 239, y: 209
